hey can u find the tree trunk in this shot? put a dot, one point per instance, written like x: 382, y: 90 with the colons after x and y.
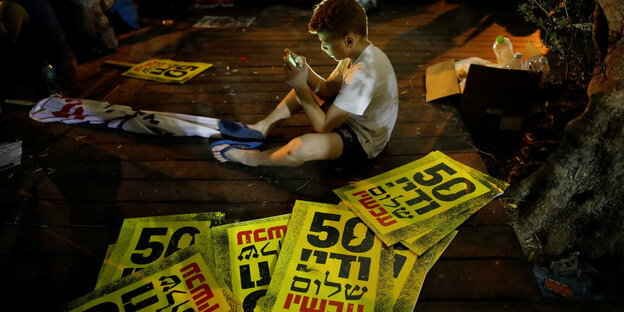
x: 575, y: 201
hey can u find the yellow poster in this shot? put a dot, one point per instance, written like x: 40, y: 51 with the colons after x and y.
x: 109, y: 250
x: 421, y: 243
x: 143, y: 241
x: 410, y: 271
x: 426, y: 239
x: 330, y: 261
x: 182, y: 282
x: 417, y: 197
x: 168, y: 71
x: 441, y: 247
x: 246, y: 253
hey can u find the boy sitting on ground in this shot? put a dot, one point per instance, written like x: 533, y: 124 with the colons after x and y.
x: 363, y: 86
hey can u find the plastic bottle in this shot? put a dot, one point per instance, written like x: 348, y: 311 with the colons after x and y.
x: 503, y: 50
x: 516, y: 62
x: 49, y: 76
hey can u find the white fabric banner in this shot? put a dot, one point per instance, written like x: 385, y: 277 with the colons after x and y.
x: 68, y: 110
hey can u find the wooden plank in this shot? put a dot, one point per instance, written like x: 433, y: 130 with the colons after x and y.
x: 197, y: 169
x: 306, y: 44
x: 147, y: 43
x: 55, y: 241
x: 59, y: 279
x: 492, y: 241
x: 85, y: 213
x: 317, y: 59
x: 261, y: 76
x: 105, y: 88
x: 16, y: 124
x: 89, y: 213
x: 217, y: 104
x: 246, y: 85
x: 124, y: 91
x: 494, y: 213
x: 479, y: 279
x: 85, y: 88
x: 198, y: 149
x: 189, y: 190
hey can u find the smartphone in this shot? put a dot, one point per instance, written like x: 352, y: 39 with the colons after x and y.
x: 294, y: 61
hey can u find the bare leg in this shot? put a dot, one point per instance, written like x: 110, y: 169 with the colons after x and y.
x: 285, y: 109
x: 308, y: 147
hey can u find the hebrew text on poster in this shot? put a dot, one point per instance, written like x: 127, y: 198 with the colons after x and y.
x: 330, y: 261
x: 182, y: 282
x: 246, y: 253
x: 416, y: 197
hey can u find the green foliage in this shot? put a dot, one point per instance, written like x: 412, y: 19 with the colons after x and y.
x: 566, y: 31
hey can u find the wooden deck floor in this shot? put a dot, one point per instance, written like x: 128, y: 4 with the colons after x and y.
x: 65, y: 203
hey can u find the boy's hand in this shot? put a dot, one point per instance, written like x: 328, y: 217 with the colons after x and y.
x: 295, y: 76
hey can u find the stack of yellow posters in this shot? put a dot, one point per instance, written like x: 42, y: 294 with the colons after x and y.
x: 420, y: 203
x: 183, y: 281
x: 144, y: 241
x: 371, y: 252
x: 159, y: 264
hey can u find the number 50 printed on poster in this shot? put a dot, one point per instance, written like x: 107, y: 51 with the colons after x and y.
x: 415, y: 198
x: 168, y: 71
x: 330, y: 261
x: 143, y: 241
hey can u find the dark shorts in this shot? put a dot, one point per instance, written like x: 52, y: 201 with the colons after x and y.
x: 352, y: 149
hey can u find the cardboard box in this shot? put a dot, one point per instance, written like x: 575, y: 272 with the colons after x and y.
x: 441, y: 81
x: 493, y: 98
x: 497, y: 99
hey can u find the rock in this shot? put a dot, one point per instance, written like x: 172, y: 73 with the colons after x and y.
x: 574, y: 201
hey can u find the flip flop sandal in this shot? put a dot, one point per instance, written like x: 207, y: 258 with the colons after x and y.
x: 240, y: 130
x: 250, y: 145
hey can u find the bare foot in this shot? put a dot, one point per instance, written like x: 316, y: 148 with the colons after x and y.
x: 226, y: 152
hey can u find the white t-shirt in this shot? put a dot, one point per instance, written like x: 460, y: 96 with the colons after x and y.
x: 369, y: 93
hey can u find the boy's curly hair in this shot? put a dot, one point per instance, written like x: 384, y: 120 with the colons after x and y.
x: 339, y: 17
